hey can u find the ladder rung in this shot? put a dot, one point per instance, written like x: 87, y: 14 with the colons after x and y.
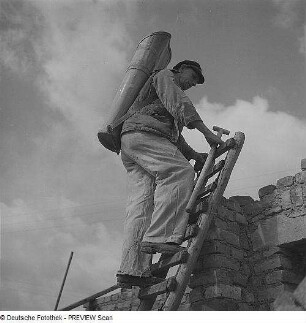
x: 216, y: 169
x: 230, y: 143
x: 193, y: 217
x: 165, y: 264
x: 192, y: 231
x: 168, y: 285
x: 208, y: 189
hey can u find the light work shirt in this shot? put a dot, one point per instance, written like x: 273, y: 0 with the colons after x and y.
x: 164, y: 109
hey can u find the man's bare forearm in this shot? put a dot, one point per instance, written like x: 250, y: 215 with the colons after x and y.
x: 208, y: 134
x: 199, y: 125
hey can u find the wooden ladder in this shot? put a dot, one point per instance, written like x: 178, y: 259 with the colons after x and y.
x: 202, y: 206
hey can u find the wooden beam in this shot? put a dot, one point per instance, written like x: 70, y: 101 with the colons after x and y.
x: 90, y: 298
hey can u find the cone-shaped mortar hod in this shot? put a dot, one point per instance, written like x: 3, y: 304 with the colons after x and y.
x: 152, y: 53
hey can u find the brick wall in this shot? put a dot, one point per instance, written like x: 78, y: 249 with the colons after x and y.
x: 254, y: 253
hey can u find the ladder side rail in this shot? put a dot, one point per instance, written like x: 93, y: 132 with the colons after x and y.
x: 202, y: 180
x: 174, y: 299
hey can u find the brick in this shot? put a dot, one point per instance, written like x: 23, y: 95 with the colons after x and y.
x: 247, y: 296
x: 242, y: 200
x: 285, y: 302
x: 233, y: 205
x: 239, y: 278
x: 245, y: 269
x: 270, y: 294
x: 290, y: 229
x: 299, y: 212
x: 110, y: 307
x: 240, y: 218
x: 210, y: 277
x: 226, y: 214
x: 300, y: 178
x: 271, y: 251
x: 114, y: 297
x: 266, y: 190
x: 245, y: 307
x: 300, y: 293
x: 258, y: 281
x: 229, y: 237
x: 219, y: 260
x: 273, y: 211
x: 184, y: 307
x: 219, y: 275
x: 257, y: 218
x: 284, y: 276
x: 277, y: 261
x: 199, y: 306
x: 213, y: 246
x: 296, y: 194
x: 234, y: 227
x: 216, y: 246
x: 263, y: 307
x: 265, y: 235
x: 236, y: 253
x: 304, y: 192
x: 285, y: 199
x: 196, y: 294
x: 220, y: 224
x: 222, y: 290
x: 285, y: 181
x: 218, y: 304
x: 244, y: 241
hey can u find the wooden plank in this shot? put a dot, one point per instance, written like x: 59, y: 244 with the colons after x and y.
x: 90, y: 298
x: 158, y: 289
x: 169, y: 262
x: 174, y: 298
x: 229, y: 144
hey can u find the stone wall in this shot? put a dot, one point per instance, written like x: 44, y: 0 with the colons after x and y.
x: 254, y: 253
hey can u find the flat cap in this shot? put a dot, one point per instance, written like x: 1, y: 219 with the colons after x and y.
x: 194, y: 65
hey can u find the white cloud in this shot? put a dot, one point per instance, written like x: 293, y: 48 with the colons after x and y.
x: 87, y: 54
x: 287, y: 14
x: 76, y: 50
x: 273, y: 145
x: 303, y: 42
x: 36, y: 245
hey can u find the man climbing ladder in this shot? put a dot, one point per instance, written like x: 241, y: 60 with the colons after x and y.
x: 148, y: 116
x: 160, y: 176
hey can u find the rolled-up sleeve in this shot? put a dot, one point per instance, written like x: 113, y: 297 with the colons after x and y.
x: 174, y: 99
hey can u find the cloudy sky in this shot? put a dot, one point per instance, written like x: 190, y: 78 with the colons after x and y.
x: 61, y: 62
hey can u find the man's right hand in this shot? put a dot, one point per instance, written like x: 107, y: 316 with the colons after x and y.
x: 210, y: 137
x: 213, y: 139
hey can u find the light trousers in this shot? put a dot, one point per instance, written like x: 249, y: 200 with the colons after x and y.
x: 160, y: 182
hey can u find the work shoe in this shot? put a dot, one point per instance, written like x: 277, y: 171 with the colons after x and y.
x: 127, y: 281
x: 164, y: 248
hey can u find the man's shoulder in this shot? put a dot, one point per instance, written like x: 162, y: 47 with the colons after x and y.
x: 164, y: 72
